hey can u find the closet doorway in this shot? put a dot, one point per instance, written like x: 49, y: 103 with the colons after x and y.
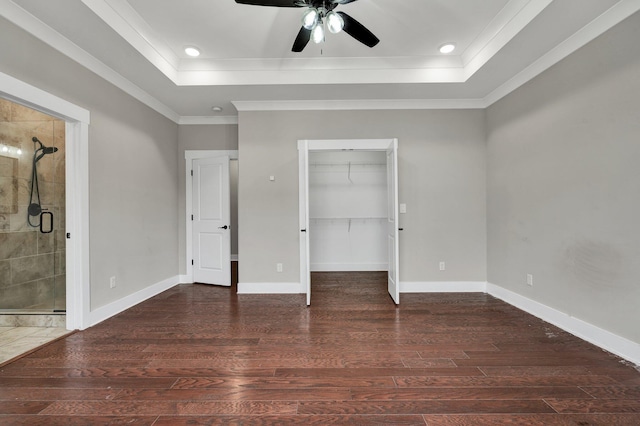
x: 349, y: 208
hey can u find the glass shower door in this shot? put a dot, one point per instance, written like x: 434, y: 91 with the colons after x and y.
x: 32, y: 210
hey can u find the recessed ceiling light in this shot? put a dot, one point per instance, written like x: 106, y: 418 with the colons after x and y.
x: 192, y: 51
x: 447, y: 48
x: 217, y: 108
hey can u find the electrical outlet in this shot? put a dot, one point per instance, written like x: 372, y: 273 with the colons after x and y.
x: 530, y: 280
x: 278, y: 267
x: 112, y: 282
x: 442, y: 266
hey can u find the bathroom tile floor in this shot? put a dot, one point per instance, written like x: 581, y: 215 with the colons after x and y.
x: 16, y: 341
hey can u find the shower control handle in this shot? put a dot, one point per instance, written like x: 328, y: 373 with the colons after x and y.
x: 43, y: 229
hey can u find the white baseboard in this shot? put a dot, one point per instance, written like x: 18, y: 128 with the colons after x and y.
x: 349, y: 267
x: 185, y: 279
x: 613, y: 343
x: 113, y: 308
x: 443, y: 286
x: 270, y: 288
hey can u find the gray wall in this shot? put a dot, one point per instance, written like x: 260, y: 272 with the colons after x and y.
x: 133, y: 169
x: 441, y: 177
x: 564, y: 185
x: 221, y: 137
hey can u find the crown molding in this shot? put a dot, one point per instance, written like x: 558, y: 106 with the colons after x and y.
x: 347, y: 105
x: 193, y: 120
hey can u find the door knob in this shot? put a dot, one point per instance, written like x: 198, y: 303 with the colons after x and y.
x: 223, y: 227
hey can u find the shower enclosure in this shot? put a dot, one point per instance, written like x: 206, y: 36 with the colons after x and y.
x: 32, y: 211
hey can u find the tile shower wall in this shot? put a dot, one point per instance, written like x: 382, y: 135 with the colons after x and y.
x: 32, y: 264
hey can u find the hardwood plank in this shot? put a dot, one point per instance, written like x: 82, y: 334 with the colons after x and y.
x: 313, y: 394
x: 595, y: 405
x: 420, y: 381
x: 43, y: 420
x: 54, y: 394
x: 375, y: 372
x: 297, y: 420
x: 171, y: 408
x: 533, y: 420
x: 614, y: 392
x: 282, y: 382
x: 23, y: 407
x: 469, y: 393
x: 423, y: 407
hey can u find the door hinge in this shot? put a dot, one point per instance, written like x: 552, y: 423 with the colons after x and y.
x: 191, y: 172
x: 68, y: 235
x: 191, y: 217
x: 192, y: 261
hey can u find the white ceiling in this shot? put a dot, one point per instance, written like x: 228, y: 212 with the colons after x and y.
x: 247, y: 63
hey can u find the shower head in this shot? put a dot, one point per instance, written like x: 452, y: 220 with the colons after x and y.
x: 44, y: 149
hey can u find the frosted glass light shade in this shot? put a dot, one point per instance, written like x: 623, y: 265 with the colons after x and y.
x: 335, y: 23
x: 310, y: 18
x: 317, y: 35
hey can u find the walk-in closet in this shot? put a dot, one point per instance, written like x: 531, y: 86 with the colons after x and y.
x: 348, y: 210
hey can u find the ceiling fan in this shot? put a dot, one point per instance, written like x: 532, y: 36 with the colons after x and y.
x: 313, y: 21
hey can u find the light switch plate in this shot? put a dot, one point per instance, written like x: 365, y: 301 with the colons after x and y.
x: 403, y: 208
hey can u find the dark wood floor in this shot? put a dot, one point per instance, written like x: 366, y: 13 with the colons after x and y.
x: 202, y: 355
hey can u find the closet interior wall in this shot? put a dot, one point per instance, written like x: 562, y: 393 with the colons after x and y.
x: 348, y: 211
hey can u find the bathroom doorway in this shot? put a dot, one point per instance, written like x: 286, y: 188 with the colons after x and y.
x: 32, y: 212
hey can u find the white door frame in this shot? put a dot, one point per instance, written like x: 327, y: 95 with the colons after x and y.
x: 304, y: 146
x: 77, y: 121
x: 189, y: 156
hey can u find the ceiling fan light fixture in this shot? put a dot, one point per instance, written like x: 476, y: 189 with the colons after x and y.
x: 317, y: 34
x: 447, y: 48
x: 335, y: 23
x: 310, y: 18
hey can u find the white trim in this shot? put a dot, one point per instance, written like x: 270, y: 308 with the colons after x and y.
x: 443, y: 286
x: 224, y: 119
x: 338, y: 144
x: 76, y: 187
x: 77, y: 225
x: 270, y: 288
x: 124, y: 20
x: 184, y: 279
x: 189, y: 156
x: 120, y: 305
x: 359, y: 105
x: 586, y: 34
x: 20, y: 92
x: 234, y: 257
x: 349, y: 267
x: 613, y: 343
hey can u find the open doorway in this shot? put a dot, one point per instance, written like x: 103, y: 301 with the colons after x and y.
x: 74, y: 226
x: 349, y: 209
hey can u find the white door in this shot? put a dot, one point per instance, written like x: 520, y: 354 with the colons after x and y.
x: 393, y: 284
x: 211, y: 220
x: 305, y: 270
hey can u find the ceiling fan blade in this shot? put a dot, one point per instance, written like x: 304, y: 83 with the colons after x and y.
x: 304, y: 35
x: 275, y: 3
x: 358, y: 31
x: 342, y: 1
